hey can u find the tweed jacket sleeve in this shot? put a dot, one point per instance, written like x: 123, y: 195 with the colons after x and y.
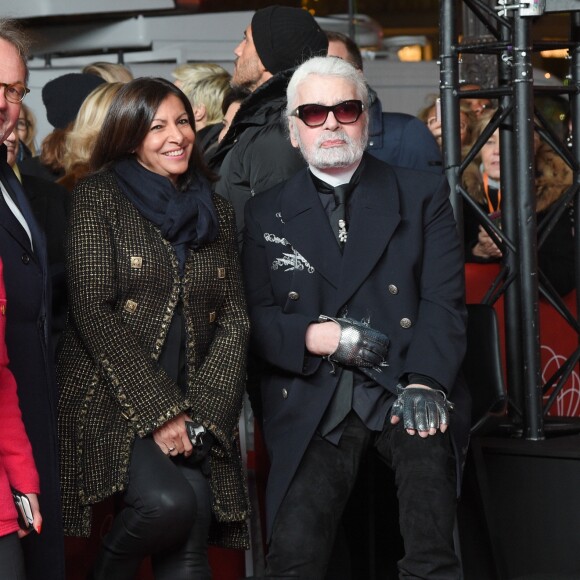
x: 112, y: 309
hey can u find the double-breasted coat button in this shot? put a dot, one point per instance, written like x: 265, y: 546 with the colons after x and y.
x: 284, y: 394
x: 293, y: 295
x: 405, y: 323
x: 131, y: 306
x: 393, y: 289
x: 25, y: 259
x: 212, y: 317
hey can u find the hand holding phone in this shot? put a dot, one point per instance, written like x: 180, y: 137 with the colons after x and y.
x: 24, y: 509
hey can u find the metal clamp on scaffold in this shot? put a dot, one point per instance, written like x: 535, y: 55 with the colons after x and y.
x: 526, y: 7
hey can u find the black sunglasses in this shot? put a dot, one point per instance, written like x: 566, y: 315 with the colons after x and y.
x: 313, y: 115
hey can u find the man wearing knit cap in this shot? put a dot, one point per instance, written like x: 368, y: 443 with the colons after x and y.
x: 256, y: 153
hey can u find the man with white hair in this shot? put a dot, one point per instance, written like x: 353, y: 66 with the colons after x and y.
x: 354, y: 283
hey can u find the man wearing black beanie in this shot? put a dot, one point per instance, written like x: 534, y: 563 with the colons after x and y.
x: 256, y: 153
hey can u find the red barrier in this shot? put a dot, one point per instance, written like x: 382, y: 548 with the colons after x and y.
x: 557, y: 339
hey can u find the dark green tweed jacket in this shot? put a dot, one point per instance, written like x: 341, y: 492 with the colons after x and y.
x: 124, y: 284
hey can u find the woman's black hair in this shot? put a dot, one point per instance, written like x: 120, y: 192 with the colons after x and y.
x: 129, y: 120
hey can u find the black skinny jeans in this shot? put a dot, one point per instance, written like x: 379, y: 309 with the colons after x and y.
x: 305, y: 525
x: 166, y: 516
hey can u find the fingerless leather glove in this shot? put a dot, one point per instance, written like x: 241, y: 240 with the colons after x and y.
x: 421, y: 409
x: 359, y: 345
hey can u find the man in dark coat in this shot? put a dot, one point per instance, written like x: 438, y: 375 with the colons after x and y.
x: 255, y: 154
x: 354, y: 282
x: 395, y: 138
x: 49, y: 202
x: 23, y: 252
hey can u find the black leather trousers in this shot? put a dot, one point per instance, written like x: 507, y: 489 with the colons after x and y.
x: 166, y: 516
x: 305, y: 526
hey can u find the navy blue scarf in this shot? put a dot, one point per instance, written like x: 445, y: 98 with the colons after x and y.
x: 187, y: 219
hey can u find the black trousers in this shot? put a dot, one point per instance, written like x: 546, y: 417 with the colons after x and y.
x: 305, y: 526
x: 11, y: 559
x: 166, y: 516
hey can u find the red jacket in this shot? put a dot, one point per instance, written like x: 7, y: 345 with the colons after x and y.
x: 17, y: 467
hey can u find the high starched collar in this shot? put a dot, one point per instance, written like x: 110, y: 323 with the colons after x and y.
x: 335, y: 179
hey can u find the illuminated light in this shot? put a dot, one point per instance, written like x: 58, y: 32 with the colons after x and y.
x: 555, y: 53
x: 410, y: 53
x: 547, y: 76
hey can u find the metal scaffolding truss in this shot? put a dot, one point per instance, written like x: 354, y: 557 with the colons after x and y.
x: 509, y: 25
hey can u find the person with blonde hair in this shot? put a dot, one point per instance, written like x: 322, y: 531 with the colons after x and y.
x: 109, y: 71
x: 205, y: 85
x: 81, y: 138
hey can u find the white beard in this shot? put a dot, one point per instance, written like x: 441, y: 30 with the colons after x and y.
x: 344, y: 156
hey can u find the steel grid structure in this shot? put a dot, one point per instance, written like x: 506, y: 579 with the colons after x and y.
x: 509, y: 24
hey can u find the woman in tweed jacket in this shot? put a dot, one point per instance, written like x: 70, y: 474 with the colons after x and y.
x: 156, y: 337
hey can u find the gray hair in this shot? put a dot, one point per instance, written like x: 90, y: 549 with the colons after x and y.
x: 11, y: 32
x: 326, y: 66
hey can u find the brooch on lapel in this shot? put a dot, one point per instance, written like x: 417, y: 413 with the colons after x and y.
x: 342, y: 231
x: 290, y: 261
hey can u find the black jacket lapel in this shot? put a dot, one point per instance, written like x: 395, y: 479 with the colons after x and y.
x: 307, y: 227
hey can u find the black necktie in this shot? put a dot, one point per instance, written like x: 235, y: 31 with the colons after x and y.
x: 336, y: 214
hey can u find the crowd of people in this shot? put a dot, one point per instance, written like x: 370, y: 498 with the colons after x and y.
x: 275, y: 231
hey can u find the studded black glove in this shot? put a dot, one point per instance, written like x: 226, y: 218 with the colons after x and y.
x: 421, y: 409
x: 359, y: 345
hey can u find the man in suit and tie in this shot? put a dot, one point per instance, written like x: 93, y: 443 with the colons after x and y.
x: 354, y: 283
x: 28, y: 320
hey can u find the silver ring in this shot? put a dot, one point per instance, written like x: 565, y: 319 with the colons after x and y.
x: 171, y: 449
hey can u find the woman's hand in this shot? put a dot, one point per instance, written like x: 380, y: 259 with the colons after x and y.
x: 172, y: 437
x: 435, y: 127
x: 36, y: 517
x: 485, y: 247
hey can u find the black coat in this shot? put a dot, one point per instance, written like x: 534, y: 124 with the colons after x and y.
x: 256, y: 153
x: 401, y: 270
x: 50, y: 205
x: 29, y: 348
x: 402, y: 140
